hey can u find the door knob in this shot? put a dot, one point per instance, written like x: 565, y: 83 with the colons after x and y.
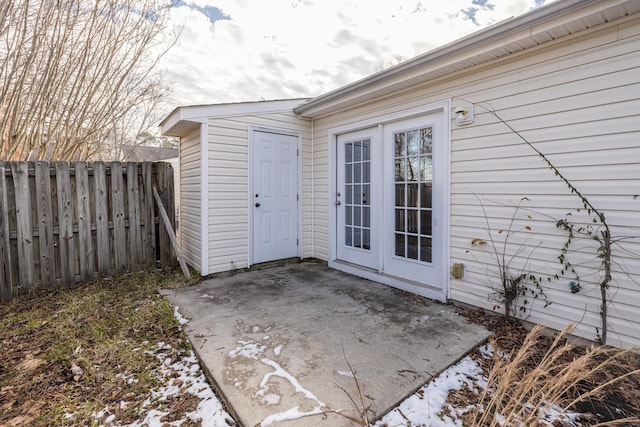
x: 257, y: 205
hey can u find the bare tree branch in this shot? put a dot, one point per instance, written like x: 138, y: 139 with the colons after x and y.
x: 79, y: 77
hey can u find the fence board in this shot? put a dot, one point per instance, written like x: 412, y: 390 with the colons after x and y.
x: 85, y: 241
x: 119, y: 231
x: 6, y: 277
x: 102, y: 218
x: 149, y: 236
x: 163, y: 237
x: 24, y: 224
x: 49, y: 211
x: 65, y: 217
x: 133, y: 206
x: 45, y: 223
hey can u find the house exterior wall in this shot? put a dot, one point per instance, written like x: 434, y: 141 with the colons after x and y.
x: 578, y: 100
x: 189, y: 198
x: 228, y: 185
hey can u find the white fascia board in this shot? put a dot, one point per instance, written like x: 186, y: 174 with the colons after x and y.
x: 179, y: 123
x: 200, y: 113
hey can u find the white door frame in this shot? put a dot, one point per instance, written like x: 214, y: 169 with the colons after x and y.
x: 250, y: 201
x: 443, y: 107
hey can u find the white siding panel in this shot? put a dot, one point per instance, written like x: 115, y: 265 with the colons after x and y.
x: 588, y: 132
x: 576, y: 99
x: 190, y: 196
x: 228, y: 195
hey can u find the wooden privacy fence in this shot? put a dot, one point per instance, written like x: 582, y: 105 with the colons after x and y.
x: 63, y: 223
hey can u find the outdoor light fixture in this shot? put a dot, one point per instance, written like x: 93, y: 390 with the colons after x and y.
x: 463, y: 113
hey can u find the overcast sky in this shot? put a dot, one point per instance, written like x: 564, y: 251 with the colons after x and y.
x: 248, y: 50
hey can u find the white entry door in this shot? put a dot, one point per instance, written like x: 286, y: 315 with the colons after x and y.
x: 274, y: 198
x: 356, y: 198
x: 414, y: 206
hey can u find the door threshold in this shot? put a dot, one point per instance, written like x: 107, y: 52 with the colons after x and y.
x: 415, y: 287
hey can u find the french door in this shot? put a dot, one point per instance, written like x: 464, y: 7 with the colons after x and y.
x: 389, y: 196
x: 356, y: 202
x: 413, y: 206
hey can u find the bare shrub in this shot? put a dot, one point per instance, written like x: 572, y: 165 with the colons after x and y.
x: 534, y: 387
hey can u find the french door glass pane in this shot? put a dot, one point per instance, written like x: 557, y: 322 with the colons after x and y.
x: 413, y: 143
x: 412, y: 220
x: 426, y: 169
x: 425, y: 195
x: 357, y: 191
x: 425, y: 249
x: 412, y: 195
x: 400, y: 145
x: 400, y: 194
x: 366, y: 199
x: 400, y: 169
x: 400, y: 249
x: 412, y: 247
x: 399, y: 219
x: 413, y: 169
x: 413, y: 199
x: 425, y: 223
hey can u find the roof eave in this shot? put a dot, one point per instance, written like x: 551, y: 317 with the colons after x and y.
x: 186, y: 118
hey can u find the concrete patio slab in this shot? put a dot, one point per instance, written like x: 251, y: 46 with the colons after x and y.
x: 278, y: 343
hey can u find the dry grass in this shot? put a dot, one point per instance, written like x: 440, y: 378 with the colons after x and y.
x: 77, y: 351
x: 534, y: 387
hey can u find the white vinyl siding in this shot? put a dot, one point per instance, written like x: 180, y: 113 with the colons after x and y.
x: 228, y: 180
x: 190, y: 196
x: 578, y: 100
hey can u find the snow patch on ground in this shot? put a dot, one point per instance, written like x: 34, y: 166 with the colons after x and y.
x: 290, y: 414
x: 277, y: 351
x: 179, y: 375
x: 346, y: 374
x: 178, y: 316
x: 248, y: 349
x: 426, y: 405
x: 182, y: 376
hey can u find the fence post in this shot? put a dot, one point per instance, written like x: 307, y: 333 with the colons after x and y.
x: 6, y: 277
